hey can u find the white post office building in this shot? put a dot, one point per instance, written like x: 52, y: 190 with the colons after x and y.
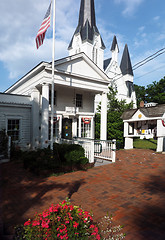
x: 81, y: 81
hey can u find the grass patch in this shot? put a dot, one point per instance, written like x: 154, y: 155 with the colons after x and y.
x: 145, y: 143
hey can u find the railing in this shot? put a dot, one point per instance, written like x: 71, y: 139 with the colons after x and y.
x: 95, y: 149
x: 105, y: 150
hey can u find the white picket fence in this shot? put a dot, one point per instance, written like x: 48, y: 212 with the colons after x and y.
x: 95, y: 149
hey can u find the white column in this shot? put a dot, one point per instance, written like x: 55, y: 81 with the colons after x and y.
x: 35, y: 97
x: 60, y: 127
x: 103, y: 127
x: 74, y: 127
x: 159, y: 144
x: 126, y: 124
x: 45, y: 115
x: 79, y: 134
x: 128, y: 143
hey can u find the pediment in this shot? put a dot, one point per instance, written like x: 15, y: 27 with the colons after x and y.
x: 82, y: 66
x: 139, y: 116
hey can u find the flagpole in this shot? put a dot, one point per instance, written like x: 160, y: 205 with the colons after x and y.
x: 52, y: 92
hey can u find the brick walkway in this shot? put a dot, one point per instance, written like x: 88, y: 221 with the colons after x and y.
x: 132, y: 190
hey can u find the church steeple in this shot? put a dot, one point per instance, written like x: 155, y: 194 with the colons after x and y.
x: 126, y: 66
x: 87, y: 32
x: 114, y: 50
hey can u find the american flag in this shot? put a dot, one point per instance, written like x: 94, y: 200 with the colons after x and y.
x: 44, y: 26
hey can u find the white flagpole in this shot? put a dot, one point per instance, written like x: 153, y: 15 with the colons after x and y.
x: 52, y: 92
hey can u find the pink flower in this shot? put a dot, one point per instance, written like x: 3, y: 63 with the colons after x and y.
x: 75, y: 225
x: 98, y: 237
x: 58, y: 218
x: 45, y: 214
x: 92, y: 226
x: 45, y: 224
x: 27, y: 223
x: 35, y: 223
x: 71, y: 207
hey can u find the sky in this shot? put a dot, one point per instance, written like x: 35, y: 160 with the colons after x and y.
x: 138, y: 23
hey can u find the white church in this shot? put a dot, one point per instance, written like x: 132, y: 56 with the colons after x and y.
x: 81, y: 81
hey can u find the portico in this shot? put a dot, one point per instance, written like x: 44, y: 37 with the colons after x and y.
x: 145, y: 122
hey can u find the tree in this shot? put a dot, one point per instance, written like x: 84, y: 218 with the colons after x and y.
x: 115, y: 108
x: 155, y: 92
x: 140, y: 94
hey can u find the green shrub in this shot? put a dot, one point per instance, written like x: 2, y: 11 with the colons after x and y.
x: 73, y: 157
x: 63, y: 154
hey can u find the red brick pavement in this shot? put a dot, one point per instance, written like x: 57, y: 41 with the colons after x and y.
x: 132, y: 190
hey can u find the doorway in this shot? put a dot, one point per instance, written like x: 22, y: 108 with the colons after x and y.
x: 67, y: 128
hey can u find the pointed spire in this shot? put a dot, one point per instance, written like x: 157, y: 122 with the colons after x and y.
x: 114, y: 43
x: 126, y: 66
x: 87, y: 22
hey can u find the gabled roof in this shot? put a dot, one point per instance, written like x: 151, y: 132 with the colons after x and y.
x: 103, y: 78
x: 126, y: 66
x: 86, y: 59
x: 87, y: 23
x: 156, y: 111
x: 114, y: 43
x: 106, y: 63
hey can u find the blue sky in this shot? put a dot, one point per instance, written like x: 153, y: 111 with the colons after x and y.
x: 139, y: 23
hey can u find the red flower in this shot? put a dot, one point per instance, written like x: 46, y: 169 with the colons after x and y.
x: 35, y: 223
x: 75, y: 225
x: 27, y: 223
x: 45, y: 224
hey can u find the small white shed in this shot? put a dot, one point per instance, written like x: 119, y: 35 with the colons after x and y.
x: 145, y: 122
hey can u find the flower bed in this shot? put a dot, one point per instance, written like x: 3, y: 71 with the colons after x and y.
x: 64, y: 221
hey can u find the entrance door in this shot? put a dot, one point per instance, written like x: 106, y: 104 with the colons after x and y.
x: 67, y: 128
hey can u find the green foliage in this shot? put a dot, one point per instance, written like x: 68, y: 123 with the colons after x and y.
x: 97, y: 125
x: 74, y: 157
x: 44, y: 159
x: 140, y: 94
x: 61, y: 221
x: 154, y: 92
x: 114, y: 121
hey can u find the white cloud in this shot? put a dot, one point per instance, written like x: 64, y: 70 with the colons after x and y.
x: 130, y: 6
x: 141, y: 29
x: 20, y: 21
x: 156, y: 18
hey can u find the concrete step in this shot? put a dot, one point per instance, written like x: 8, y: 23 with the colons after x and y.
x: 4, y: 160
x: 99, y: 162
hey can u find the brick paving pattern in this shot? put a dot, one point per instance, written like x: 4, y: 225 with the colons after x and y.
x: 132, y: 190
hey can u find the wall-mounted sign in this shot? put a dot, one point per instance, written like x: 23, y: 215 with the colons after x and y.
x: 139, y: 116
x: 86, y: 120
x: 163, y: 122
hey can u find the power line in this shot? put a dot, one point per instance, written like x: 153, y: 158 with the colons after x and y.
x: 149, y: 56
x: 143, y: 62
x: 150, y: 72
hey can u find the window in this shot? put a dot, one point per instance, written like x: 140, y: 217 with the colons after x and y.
x: 78, y: 100
x: 130, y: 87
x: 94, y: 54
x: 50, y: 97
x: 13, y: 129
x: 55, y: 127
x: 86, y: 127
